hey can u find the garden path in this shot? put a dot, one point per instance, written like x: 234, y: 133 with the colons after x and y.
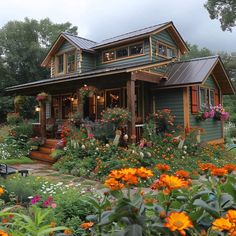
x: 49, y: 173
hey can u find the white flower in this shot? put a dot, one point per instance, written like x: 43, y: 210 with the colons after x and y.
x: 185, y: 147
x: 185, y: 152
x: 149, y: 154
x: 141, y: 154
x: 97, y: 148
x: 65, y: 148
x: 83, y: 146
x: 183, y: 157
x: 107, y: 145
x: 133, y: 151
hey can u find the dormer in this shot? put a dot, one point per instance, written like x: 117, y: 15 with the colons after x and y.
x: 68, y: 54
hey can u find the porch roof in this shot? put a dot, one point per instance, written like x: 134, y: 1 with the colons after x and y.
x: 128, y: 68
x: 196, y: 71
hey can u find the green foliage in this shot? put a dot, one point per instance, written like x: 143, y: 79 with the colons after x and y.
x: 14, y: 118
x: 224, y: 11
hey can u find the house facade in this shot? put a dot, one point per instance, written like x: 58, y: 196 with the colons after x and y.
x: 140, y: 70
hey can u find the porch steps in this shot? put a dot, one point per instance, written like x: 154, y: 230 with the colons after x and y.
x: 43, y: 154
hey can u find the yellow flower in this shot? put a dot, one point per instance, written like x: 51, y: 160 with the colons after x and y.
x: 86, y: 225
x: 1, y: 191
x: 144, y: 173
x: 113, y: 184
x: 222, y: 224
x: 178, y: 221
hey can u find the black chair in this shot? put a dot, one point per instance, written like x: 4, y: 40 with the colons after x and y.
x: 6, y: 170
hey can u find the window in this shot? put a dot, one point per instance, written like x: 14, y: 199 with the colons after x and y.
x: 136, y: 49
x: 122, y: 52
x: 108, y: 56
x: 203, y: 97
x: 165, y: 50
x: 60, y: 68
x: 70, y: 62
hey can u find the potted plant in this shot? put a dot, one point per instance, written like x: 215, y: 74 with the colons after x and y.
x: 87, y: 91
x: 42, y: 97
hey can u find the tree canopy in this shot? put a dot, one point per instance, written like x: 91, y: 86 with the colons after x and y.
x: 224, y: 10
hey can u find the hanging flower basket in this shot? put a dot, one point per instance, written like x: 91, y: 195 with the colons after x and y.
x: 87, y: 91
x: 42, y: 97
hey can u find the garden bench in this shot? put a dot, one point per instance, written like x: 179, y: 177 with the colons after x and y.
x: 6, y: 170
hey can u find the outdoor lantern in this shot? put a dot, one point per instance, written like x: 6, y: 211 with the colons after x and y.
x: 37, y: 108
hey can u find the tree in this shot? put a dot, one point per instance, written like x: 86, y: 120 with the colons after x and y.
x: 23, y: 45
x: 224, y: 10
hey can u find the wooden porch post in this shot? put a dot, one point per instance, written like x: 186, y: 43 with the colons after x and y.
x: 43, y: 119
x: 131, y: 107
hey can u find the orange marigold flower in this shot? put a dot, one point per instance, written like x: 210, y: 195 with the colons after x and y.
x: 182, y: 174
x: 206, y: 166
x: 178, y: 221
x: 172, y: 182
x: 231, y: 215
x: 222, y: 224
x: 116, y: 174
x: 230, y: 167
x: 53, y: 224
x: 4, y: 221
x: 86, y: 225
x: 130, y: 179
x: 67, y: 232
x: 219, y: 172
x: 3, y: 233
x: 163, y: 167
x: 126, y: 171
x: 1, y: 191
x: 144, y: 173
x: 113, y: 184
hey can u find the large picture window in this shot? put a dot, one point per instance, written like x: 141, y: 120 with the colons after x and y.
x: 70, y: 62
x: 60, y: 64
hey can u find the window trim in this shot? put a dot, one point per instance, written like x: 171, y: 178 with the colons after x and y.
x: 167, y: 45
x: 122, y: 58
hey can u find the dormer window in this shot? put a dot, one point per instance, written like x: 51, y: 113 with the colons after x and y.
x: 120, y: 53
x: 60, y: 63
x: 165, y: 50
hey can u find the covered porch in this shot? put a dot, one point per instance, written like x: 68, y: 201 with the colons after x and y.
x: 127, y: 88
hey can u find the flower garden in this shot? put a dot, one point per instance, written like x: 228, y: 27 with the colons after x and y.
x: 167, y: 184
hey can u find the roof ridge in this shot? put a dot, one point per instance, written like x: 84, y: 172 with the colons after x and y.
x: 136, y: 31
x: 198, y: 59
x: 78, y: 37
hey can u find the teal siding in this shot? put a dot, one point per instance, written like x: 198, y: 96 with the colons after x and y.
x: 212, y: 128
x: 66, y: 46
x: 164, y: 37
x: 144, y: 58
x: 173, y: 100
x: 88, y: 62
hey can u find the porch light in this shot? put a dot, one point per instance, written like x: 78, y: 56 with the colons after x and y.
x: 37, y: 108
x: 98, y: 97
x: 72, y: 99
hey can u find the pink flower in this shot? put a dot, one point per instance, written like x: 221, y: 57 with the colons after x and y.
x: 53, y: 205
x: 48, y: 202
x: 35, y: 199
x: 90, y: 136
x: 205, y: 115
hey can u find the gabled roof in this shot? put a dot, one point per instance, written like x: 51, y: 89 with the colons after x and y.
x: 76, y: 41
x: 196, y: 71
x: 169, y: 26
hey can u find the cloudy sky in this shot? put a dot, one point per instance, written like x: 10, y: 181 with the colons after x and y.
x: 101, y: 19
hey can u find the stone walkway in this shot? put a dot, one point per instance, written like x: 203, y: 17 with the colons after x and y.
x: 48, y: 172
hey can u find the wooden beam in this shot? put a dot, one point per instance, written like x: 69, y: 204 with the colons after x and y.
x: 146, y: 76
x: 131, y: 107
x: 43, y: 119
x: 186, y: 104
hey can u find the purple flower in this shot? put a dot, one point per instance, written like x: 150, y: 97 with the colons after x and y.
x: 224, y: 116
x: 211, y: 113
x: 35, y: 199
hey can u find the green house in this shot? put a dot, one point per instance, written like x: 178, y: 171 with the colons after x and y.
x: 139, y: 70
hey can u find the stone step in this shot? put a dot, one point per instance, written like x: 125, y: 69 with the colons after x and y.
x: 50, y: 143
x: 40, y: 156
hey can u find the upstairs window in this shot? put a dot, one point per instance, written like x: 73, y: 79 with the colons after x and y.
x: 109, y: 56
x: 136, y: 49
x: 164, y: 50
x: 70, y: 62
x: 123, y: 52
x: 60, y: 64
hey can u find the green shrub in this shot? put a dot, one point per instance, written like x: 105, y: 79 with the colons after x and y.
x: 232, y: 132
x: 14, y: 118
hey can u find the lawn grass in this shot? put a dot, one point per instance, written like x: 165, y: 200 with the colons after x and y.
x: 23, y: 160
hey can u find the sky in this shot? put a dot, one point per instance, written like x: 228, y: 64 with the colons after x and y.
x: 101, y: 19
